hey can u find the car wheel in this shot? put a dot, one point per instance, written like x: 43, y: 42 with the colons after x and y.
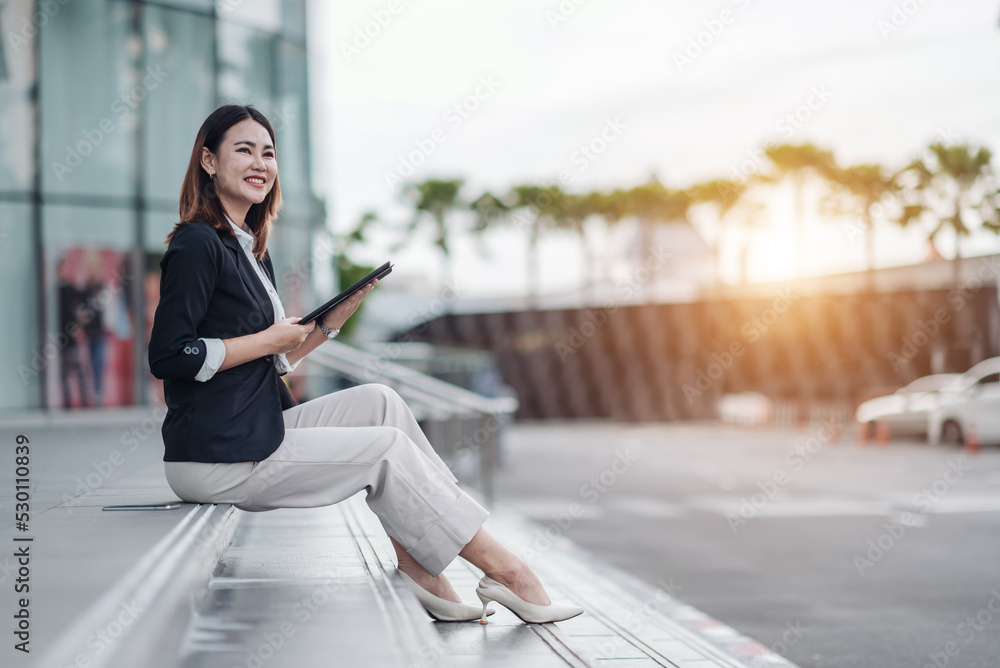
x: 951, y: 433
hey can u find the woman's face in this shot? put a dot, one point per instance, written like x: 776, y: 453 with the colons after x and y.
x: 245, y: 166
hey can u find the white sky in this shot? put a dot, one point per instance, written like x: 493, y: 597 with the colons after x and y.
x: 557, y: 86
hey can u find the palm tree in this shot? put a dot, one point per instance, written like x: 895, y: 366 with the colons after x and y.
x: 612, y: 207
x: 724, y: 196
x: 571, y: 214
x: 436, y: 200
x: 857, y: 189
x: 952, y: 185
x: 990, y: 210
x: 488, y: 211
x: 535, y: 209
x: 538, y: 209
x: 797, y: 163
x: 654, y: 204
x: 359, y: 234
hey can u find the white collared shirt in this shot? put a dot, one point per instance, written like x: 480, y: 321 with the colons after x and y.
x: 215, y: 348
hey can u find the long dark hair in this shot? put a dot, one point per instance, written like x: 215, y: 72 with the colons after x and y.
x: 199, y: 200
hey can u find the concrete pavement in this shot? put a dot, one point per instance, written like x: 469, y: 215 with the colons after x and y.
x: 833, y: 554
x: 213, y: 586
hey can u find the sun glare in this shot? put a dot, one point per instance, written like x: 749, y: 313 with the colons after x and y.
x: 771, y: 256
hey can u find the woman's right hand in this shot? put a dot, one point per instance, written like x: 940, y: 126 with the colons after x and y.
x: 285, y: 335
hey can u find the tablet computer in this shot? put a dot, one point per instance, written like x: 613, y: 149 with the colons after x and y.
x: 378, y: 273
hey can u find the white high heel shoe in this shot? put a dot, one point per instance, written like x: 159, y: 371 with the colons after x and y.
x: 439, y: 608
x: 532, y: 613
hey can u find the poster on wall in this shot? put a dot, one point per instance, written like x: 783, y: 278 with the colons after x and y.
x: 93, y: 329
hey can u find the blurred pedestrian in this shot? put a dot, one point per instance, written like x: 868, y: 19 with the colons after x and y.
x: 95, y: 297
x: 70, y: 366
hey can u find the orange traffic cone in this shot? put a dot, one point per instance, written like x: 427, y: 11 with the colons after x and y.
x: 882, y: 433
x: 972, y: 440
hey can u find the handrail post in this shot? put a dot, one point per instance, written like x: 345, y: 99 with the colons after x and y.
x: 486, y: 460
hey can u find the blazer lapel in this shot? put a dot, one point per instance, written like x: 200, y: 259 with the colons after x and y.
x: 249, y: 275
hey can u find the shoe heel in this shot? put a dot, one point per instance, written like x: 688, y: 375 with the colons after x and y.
x: 482, y: 620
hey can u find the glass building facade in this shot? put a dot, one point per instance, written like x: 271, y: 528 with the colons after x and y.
x: 100, y: 101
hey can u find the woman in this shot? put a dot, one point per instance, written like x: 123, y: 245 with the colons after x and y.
x: 220, y: 341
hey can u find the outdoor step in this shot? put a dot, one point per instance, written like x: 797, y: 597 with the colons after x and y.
x: 297, y: 584
x: 142, y: 616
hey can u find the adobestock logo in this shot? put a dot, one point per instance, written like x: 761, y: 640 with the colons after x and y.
x: 45, y: 11
x: 122, y: 107
x: 591, y: 491
x: 713, y: 28
x: 899, y: 17
x: 363, y: 35
x: 796, y: 458
x: 924, y: 334
x: 752, y: 330
x: 454, y: 116
x: 563, y: 11
x: 786, y: 126
x: 591, y: 151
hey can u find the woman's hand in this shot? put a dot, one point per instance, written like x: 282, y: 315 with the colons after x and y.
x: 285, y: 335
x: 338, y: 315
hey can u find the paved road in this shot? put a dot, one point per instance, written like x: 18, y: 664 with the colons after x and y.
x: 832, y: 554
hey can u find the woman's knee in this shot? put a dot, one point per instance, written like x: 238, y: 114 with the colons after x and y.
x: 394, y: 439
x: 379, y: 391
x: 383, y: 396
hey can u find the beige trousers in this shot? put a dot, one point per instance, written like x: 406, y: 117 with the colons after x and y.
x: 364, y: 437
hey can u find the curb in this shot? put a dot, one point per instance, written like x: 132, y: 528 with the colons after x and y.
x: 148, y: 610
x: 712, y: 639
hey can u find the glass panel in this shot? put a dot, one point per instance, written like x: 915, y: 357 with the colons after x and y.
x: 293, y: 19
x: 179, y: 43
x: 202, y: 5
x: 156, y: 228
x: 16, y: 78
x: 20, y: 376
x: 89, y: 306
x: 261, y: 14
x: 89, y: 100
x: 92, y: 318
x: 95, y: 226
x: 291, y: 125
x: 246, y: 67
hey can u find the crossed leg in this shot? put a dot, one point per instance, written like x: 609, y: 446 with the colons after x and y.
x: 378, y: 405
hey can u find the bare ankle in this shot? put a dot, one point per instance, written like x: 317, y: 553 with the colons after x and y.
x: 509, y: 571
x: 420, y: 576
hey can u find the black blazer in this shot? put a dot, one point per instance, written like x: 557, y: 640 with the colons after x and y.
x: 208, y: 288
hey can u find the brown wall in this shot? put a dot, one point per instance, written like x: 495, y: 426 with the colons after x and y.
x: 673, y: 361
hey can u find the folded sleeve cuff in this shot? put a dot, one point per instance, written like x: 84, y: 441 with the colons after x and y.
x: 215, y: 355
x: 283, y: 366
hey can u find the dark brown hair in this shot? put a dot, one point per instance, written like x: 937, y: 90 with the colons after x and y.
x: 199, y: 200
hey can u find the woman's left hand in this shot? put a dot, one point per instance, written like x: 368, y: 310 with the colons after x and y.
x: 338, y: 315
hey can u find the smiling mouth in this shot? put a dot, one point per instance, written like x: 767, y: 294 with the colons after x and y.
x: 255, y: 181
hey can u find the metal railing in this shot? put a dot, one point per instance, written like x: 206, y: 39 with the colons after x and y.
x: 447, y: 409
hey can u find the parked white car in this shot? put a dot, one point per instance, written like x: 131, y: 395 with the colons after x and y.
x: 906, y: 411
x: 972, y: 402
